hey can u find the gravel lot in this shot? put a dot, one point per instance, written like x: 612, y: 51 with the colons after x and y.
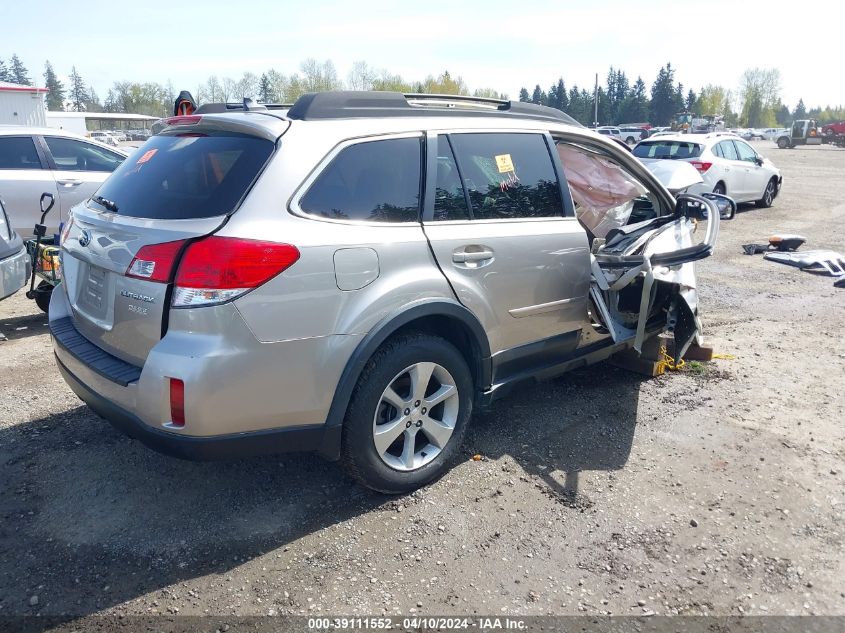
x: 712, y: 491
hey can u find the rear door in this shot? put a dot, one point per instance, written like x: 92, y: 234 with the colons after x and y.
x: 24, y: 176
x: 79, y: 168
x: 182, y: 186
x: 755, y: 177
x: 733, y: 170
x: 506, y: 240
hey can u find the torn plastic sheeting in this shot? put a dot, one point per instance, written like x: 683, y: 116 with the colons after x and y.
x: 603, y: 192
x: 821, y: 261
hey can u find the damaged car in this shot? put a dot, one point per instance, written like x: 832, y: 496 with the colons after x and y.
x: 358, y: 273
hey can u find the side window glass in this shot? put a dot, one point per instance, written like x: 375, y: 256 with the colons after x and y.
x: 508, y: 175
x: 18, y: 152
x: 376, y: 181
x: 72, y: 155
x: 717, y: 150
x: 745, y: 152
x: 728, y: 150
x: 449, y: 200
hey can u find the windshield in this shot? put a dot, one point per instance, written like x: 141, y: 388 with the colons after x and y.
x: 180, y: 177
x: 667, y: 149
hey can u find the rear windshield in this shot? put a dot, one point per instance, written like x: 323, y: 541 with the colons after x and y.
x: 667, y: 149
x: 183, y: 177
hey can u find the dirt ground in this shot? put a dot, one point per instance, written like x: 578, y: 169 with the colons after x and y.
x: 717, y: 490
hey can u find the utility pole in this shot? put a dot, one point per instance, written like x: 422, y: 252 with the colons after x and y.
x: 596, y: 99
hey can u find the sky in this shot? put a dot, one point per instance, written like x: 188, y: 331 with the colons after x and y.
x: 497, y: 44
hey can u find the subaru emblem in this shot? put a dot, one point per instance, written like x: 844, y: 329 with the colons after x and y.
x: 85, y: 237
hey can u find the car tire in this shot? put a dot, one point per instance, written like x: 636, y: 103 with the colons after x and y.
x: 43, y: 292
x: 391, y: 443
x: 630, y: 140
x: 768, y: 195
x: 719, y: 188
x: 783, y: 143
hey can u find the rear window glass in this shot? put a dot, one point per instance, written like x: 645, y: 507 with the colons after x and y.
x: 667, y: 149
x: 18, y: 152
x: 183, y: 177
x: 375, y: 181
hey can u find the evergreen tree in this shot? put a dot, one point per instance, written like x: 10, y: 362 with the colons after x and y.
x: 524, y: 96
x: 56, y: 96
x: 539, y: 97
x: 691, y: 103
x: 19, y: 73
x: 663, y: 106
x: 5, y: 75
x: 264, y: 90
x: 782, y: 115
x: 800, y: 111
x: 77, y: 93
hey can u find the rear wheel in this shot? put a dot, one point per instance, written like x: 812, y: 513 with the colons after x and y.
x: 408, y: 414
x: 768, y: 195
x: 719, y: 188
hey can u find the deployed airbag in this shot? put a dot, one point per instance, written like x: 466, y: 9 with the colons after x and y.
x: 602, y: 191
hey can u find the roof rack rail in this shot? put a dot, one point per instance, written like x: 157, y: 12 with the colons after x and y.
x: 348, y: 104
x: 248, y: 105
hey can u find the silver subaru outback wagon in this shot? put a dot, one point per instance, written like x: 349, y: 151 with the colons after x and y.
x: 354, y: 274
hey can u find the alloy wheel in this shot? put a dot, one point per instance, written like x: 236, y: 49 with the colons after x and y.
x: 416, y: 416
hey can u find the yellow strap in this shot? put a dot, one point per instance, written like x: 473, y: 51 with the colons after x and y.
x: 667, y: 362
x: 724, y: 356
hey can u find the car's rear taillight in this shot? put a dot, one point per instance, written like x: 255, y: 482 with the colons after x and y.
x: 155, y: 262
x: 701, y: 166
x: 218, y: 269
x: 177, y: 402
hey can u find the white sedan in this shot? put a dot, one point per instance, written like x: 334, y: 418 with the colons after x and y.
x: 727, y: 164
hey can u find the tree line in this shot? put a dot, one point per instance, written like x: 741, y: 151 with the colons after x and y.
x: 756, y: 102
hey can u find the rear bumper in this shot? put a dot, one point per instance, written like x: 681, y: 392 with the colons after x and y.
x: 14, y: 273
x: 220, y: 447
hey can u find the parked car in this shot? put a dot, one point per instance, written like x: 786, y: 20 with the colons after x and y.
x: 101, y: 136
x: 728, y: 165
x: 772, y: 133
x: 632, y: 135
x: 833, y: 128
x: 14, y: 260
x: 37, y: 160
x: 609, y: 130
x: 355, y: 276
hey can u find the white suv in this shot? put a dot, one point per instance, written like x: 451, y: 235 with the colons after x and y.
x: 727, y: 164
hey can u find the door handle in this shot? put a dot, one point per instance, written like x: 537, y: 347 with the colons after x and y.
x: 472, y: 256
x: 69, y: 183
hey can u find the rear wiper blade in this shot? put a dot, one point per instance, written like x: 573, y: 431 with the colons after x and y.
x: 108, y: 204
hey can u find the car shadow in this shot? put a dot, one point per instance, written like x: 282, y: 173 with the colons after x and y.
x: 19, y: 327
x: 92, y: 519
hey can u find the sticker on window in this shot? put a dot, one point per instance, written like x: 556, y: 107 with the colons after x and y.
x: 504, y: 163
x: 147, y: 156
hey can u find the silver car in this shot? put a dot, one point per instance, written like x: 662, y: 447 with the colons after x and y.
x: 38, y: 160
x: 355, y: 275
x: 14, y: 260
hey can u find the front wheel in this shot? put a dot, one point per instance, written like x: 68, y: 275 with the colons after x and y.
x: 768, y: 195
x: 783, y: 143
x: 408, y: 414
